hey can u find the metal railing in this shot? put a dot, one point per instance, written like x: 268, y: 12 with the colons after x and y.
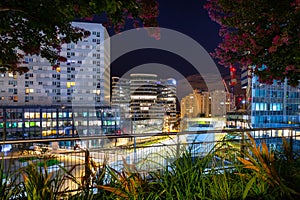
x: 147, y: 152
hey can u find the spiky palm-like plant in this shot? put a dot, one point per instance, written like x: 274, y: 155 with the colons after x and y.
x: 265, y: 166
x: 40, y: 184
x: 127, y: 184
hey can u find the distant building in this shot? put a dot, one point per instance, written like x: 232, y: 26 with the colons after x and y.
x: 144, y: 97
x: 145, y: 100
x: 220, y: 103
x: 205, y: 104
x: 85, y: 77
x: 167, y: 97
x: 120, y: 95
x: 196, y: 104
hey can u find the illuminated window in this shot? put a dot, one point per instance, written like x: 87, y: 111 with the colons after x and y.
x: 70, y: 84
x: 260, y: 106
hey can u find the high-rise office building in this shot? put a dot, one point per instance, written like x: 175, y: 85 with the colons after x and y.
x: 220, y: 103
x: 145, y: 100
x: 196, y: 104
x: 205, y: 104
x: 121, y: 96
x: 167, y: 95
x: 275, y: 105
x: 202, y: 110
x: 84, y: 77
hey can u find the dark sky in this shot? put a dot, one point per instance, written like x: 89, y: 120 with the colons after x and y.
x: 188, y: 17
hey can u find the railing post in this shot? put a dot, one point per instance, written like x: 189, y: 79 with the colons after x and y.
x: 134, y: 147
x: 243, y: 144
x: 86, y: 167
x: 291, y: 143
x: 177, y: 146
x: 4, y: 124
x: 57, y: 122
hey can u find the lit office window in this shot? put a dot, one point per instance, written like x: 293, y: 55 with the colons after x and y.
x: 260, y: 106
x: 275, y: 106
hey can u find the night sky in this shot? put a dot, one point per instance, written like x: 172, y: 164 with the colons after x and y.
x: 188, y: 17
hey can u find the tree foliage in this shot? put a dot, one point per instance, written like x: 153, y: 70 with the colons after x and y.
x: 40, y: 27
x: 260, y: 33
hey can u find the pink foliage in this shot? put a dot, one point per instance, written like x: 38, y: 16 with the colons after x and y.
x: 255, y: 33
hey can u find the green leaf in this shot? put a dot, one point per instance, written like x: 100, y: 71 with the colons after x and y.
x: 248, y: 187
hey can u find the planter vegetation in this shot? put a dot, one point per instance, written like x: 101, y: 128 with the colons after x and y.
x: 254, y: 172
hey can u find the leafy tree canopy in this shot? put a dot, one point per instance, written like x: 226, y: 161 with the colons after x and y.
x: 260, y: 33
x: 40, y: 27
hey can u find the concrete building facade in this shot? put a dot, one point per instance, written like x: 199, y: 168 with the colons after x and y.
x: 196, y: 104
x: 62, y: 85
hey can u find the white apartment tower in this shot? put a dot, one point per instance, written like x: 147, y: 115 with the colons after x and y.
x: 85, y: 77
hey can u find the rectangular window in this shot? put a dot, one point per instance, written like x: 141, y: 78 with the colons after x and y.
x: 275, y: 106
x: 15, y: 98
x: 260, y: 106
x: 12, y: 82
x: 28, y: 82
x: 27, y: 60
x: 27, y: 76
x: 70, y: 46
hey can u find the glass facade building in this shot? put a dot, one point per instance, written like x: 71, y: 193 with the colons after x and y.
x: 276, y: 105
x: 271, y: 106
x: 36, y: 122
x: 147, y: 103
